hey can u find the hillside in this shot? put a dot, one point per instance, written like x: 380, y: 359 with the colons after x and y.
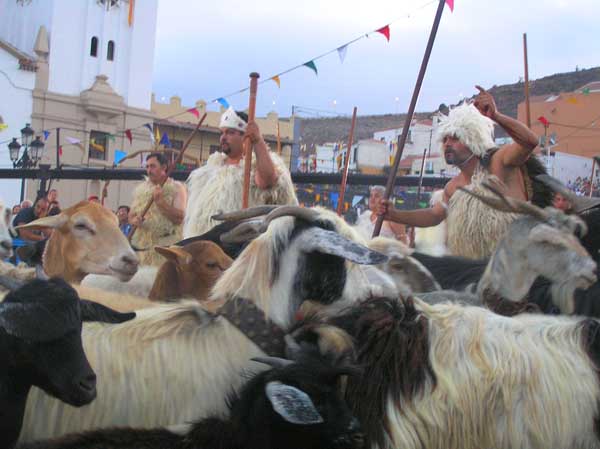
x: 508, y: 97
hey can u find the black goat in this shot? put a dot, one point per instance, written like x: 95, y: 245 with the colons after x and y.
x: 295, y: 405
x: 40, y: 344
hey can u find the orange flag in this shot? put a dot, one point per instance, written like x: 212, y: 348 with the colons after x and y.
x: 131, y: 8
x: 277, y: 80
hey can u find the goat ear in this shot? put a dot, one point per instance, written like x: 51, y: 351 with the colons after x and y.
x: 544, y: 233
x: 46, y: 222
x: 92, y: 311
x: 37, y: 322
x: 292, y: 404
x: 418, y: 277
x: 174, y: 253
x: 329, y: 242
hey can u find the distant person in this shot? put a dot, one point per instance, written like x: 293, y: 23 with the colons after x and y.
x: 52, y: 206
x: 123, y: 216
x: 52, y: 196
x: 16, y: 209
x: 35, y: 239
x: 366, y: 221
x: 26, y: 203
x: 562, y: 203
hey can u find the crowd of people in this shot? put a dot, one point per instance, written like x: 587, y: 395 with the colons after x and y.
x: 583, y: 186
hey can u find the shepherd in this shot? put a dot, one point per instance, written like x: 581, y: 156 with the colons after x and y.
x: 217, y: 186
x: 466, y: 138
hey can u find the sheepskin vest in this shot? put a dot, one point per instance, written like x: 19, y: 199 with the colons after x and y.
x: 474, y: 228
x: 217, y: 187
x: 156, y: 228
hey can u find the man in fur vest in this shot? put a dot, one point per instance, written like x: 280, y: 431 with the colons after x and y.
x: 162, y: 223
x: 217, y: 186
x: 466, y: 137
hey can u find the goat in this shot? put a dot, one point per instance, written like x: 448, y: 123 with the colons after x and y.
x: 5, y: 238
x: 449, y: 376
x: 86, y: 239
x: 432, y: 240
x: 310, y: 255
x: 190, y: 271
x: 540, y: 243
x: 40, y: 344
x: 293, y: 405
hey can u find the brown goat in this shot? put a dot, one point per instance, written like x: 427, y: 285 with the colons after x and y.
x: 190, y: 271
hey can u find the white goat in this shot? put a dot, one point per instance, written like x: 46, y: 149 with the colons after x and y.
x: 432, y: 240
x: 176, y: 363
x: 5, y: 238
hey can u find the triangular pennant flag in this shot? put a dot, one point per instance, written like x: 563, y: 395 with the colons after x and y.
x: 46, y: 135
x: 311, y: 65
x: 277, y: 80
x: 3, y: 126
x: 156, y: 134
x: 60, y: 150
x: 586, y: 91
x: 450, y: 4
x: 342, y: 52
x: 543, y: 120
x: 223, y: 102
x: 96, y: 146
x: 385, y: 31
x: 73, y: 140
x: 194, y: 111
x: 148, y: 126
x: 119, y: 156
x: 129, y: 136
x: 572, y: 100
x: 164, y: 140
x: 111, y: 137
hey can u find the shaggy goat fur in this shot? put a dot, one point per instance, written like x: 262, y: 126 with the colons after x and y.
x: 479, y: 379
x: 467, y: 124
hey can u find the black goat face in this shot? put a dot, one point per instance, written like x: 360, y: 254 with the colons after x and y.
x: 62, y: 370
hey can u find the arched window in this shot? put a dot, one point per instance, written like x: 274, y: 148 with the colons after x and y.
x: 110, y: 52
x: 94, y: 47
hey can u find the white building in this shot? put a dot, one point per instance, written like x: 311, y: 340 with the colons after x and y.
x: 568, y: 167
x: 92, y: 77
x: 326, y: 158
x: 421, y: 136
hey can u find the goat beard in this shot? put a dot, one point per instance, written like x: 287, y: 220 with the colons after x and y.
x: 563, y: 296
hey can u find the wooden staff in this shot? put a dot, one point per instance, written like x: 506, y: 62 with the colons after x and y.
x: 340, y: 208
x: 411, y: 110
x: 278, y: 140
x: 527, y: 106
x: 592, y: 179
x: 248, y: 146
x: 170, y: 170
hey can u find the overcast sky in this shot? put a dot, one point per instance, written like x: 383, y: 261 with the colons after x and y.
x: 205, y: 50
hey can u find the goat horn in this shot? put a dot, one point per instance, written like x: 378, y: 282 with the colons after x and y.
x: 518, y: 206
x: 10, y: 283
x: 580, y: 203
x: 243, y: 232
x: 304, y: 213
x: 275, y: 362
x: 293, y: 348
x: 244, y: 213
x: 137, y: 249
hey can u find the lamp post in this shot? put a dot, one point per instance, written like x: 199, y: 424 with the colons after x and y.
x: 36, y: 148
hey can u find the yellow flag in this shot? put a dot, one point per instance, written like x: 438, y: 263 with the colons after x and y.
x: 3, y: 126
x: 277, y: 80
x: 156, y: 133
x: 572, y: 100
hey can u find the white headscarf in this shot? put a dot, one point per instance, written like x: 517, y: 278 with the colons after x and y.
x: 230, y: 119
x: 470, y: 127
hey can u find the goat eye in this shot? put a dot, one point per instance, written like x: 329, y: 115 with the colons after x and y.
x: 212, y: 265
x: 83, y: 227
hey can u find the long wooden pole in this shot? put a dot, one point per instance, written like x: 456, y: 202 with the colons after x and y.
x: 170, y: 171
x: 592, y: 179
x: 527, y: 105
x: 247, y: 144
x: 278, y: 140
x: 340, y: 208
x: 411, y: 110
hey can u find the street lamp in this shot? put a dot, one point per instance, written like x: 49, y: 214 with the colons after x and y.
x: 37, y: 149
x: 26, y: 135
x: 26, y: 161
x: 13, y: 148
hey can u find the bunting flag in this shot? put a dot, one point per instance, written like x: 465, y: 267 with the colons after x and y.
x: 385, y: 31
x: 543, y: 120
x: 46, y: 135
x: 342, y: 52
x: 194, y: 111
x: 3, y: 126
x: 223, y: 102
x: 572, y: 100
x: 112, y: 138
x: 311, y: 65
x: 148, y: 126
x: 129, y: 136
x: 96, y: 146
x: 450, y: 4
x: 130, y: 15
x: 119, y: 156
x: 156, y: 134
x: 76, y: 142
x: 60, y: 150
x: 277, y: 80
x: 164, y: 140
x: 586, y: 91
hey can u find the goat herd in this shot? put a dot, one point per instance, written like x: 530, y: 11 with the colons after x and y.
x: 297, y: 333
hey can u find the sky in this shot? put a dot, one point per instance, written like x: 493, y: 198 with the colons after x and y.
x: 205, y: 50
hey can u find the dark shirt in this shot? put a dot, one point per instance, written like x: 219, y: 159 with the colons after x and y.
x: 25, y: 216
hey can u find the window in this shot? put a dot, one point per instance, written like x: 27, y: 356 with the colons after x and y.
x: 94, y: 47
x: 176, y: 144
x: 110, y: 52
x: 98, y: 146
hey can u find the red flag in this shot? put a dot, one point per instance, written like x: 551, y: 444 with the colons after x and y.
x: 450, y: 4
x: 385, y: 31
x: 194, y: 111
x: 60, y: 150
x: 543, y: 120
x: 129, y: 136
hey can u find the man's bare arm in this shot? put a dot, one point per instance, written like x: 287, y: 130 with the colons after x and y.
x: 525, y: 140
x: 176, y: 211
x: 266, y: 174
x: 29, y: 234
x: 421, y: 218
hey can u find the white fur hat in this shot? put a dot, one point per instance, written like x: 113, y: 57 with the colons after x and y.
x: 470, y: 127
x: 230, y: 119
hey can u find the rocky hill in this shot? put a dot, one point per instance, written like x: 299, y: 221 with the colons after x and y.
x: 508, y: 97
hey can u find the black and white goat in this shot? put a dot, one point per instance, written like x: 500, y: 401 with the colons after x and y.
x: 449, y: 376
x: 40, y: 345
x: 294, y: 405
x: 303, y: 254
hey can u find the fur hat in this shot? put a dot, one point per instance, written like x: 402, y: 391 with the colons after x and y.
x: 230, y: 119
x: 470, y: 127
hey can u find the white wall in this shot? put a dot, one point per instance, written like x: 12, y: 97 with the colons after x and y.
x: 372, y: 154
x: 419, y: 139
x: 15, y: 108
x: 568, y: 167
x: 19, y: 24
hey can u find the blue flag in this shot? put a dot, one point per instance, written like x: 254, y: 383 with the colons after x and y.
x: 119, y: 155
x: 223, y: 102
x: 164, y: 140
x: 46, y: 135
